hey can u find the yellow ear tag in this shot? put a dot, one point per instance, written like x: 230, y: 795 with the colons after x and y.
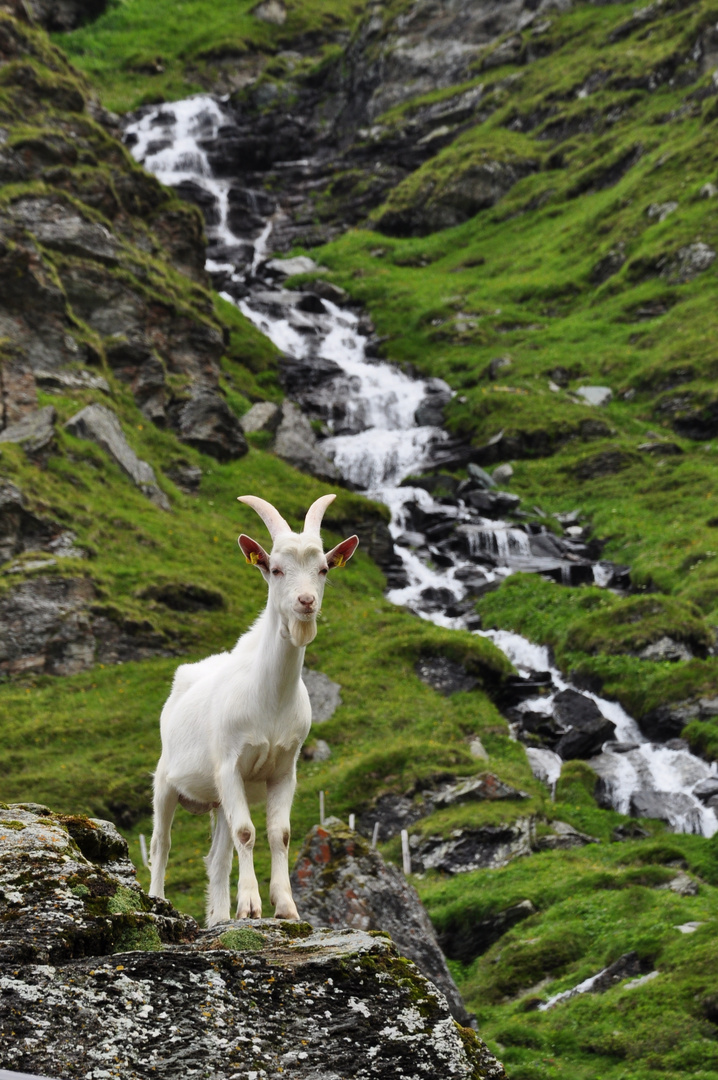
x: 339, y: 560
x: 252, y: 558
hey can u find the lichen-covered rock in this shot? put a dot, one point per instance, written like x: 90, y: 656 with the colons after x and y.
x: 99, y: 979
x: 338, y: 880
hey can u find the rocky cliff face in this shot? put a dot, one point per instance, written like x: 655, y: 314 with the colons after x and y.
x: 98, y: 976
x: 101, y: 269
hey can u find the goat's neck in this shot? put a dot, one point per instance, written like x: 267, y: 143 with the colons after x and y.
x: 278, y: 658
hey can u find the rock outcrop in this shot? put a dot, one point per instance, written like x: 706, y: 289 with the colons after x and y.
x: 339, y: 881
x: 99, y: 976
x: 100, y: 266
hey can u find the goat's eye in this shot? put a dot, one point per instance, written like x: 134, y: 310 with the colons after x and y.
x: 277, y: 572
x: 324, y: 571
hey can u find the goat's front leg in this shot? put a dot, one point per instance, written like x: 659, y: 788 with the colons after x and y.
x: 236, y: 808
x: 280, y: 792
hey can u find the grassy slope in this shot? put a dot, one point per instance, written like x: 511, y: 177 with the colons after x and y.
x: 592, y: 904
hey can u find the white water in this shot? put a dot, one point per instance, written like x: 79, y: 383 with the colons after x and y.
x: 381, y: 403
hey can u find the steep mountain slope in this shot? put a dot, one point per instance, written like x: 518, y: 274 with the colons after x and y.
x: 519, y: 165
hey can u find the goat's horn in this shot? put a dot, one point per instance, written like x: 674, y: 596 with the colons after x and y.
x: 269, y: 515
x: 315, y: 513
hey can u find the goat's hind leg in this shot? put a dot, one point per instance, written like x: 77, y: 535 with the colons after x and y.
x: 219, y: 869
x: 165, y: 804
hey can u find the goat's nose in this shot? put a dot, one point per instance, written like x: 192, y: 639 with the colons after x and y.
x: 306, y: 600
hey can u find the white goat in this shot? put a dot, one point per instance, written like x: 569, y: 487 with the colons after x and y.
x: 234, y: 723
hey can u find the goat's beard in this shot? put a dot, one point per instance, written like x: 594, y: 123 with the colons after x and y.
x: 302, y: 632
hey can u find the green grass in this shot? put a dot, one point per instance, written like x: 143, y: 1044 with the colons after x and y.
x: 142, y: 51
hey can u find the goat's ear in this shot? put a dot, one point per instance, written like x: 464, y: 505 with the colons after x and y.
x: 254, y: 553
x: 342, y: 553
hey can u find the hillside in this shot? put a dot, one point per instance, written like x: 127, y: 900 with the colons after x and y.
x: 524, y: 200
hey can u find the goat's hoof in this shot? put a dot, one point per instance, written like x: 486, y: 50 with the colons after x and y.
x: 249, y: 909
x: 287, y: 911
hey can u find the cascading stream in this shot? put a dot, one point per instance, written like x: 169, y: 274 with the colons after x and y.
x: 372, y: 412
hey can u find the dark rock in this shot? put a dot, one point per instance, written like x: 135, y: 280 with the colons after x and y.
x: 299, y: 375
x: 311, y: 303
x: 631, y: 831
x: 628, y: 966
x: 392, y: 813
x: 706, y: 789
x: 658, y: 448
x: 586, y: 727
x: 100, y: 425
x: 446, y: 676
x: 45, y: 627
x: 21, y: 530
x: 464, y: 939
x: 667, y: 721
x: 35, y: 432
x: 207, y: 423
x: 199, y: 195
x: 82, y: 942
x: 64, y: 15
x: 339, y: 881
x: 605, y: 463
x: 435, y: 599
x: 181, y: 596
x: 431, y: 410
x: 475, y: 848
x: 187, y: 477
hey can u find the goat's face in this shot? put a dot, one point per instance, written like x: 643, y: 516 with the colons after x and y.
x: 296, y: 572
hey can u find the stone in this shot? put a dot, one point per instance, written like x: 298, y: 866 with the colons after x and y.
x: 464, y: 938
x: 430, y: 412
x: 21, y: 530
x: 475, y: 847
x: 62, y: 381
x: 706, y: 789
x: 502, y: 474
x: 57, y: 224
x: 483, y: 788
x: 480, y: 476
x: 708, y: 191
x: 271, y: 11
x: 595, y: 395
x: 94, y: 964
x: 263, y: 416
x: 688, y: 262
x: 660, y: 211
x: 586, y: 728
x: 99, y: 424
x: 477, y: 749
x: 564, y: 838
x: 682, y: 885
x: 44, y: 626
x: 324, y: 695
x: 35, y: 432
x: 187, y: 477
x: 445, y: 675
x: 299, y: 264
x: 296, y: 443
x: 64, y: 15
x: 339, y: 881
x: 665, y: 648
x: 207, y: 423
x: 319, y: 750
